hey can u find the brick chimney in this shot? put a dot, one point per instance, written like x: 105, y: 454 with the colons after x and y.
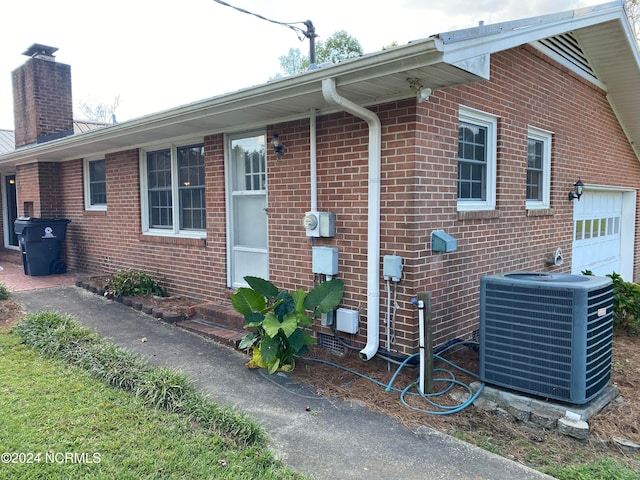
x: 42, y: 101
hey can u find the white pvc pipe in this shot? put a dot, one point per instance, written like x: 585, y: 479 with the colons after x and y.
x: 373, y: 213
x: 421, y: 344
x: 313, y: 160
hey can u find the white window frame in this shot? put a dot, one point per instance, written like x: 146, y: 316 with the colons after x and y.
x: 546, y: 137
x: 490, y: 122
x: 87, y: 185
x: 175, y: 194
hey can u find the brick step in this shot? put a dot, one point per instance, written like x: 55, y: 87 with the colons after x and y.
x: 223, y: 315
x: 219, y: 333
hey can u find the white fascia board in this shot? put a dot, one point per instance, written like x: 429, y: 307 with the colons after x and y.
x: 480, y: 65
x: 474, y: 46
x: 413, y: 55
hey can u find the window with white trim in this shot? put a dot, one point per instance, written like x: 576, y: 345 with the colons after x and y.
x: 173, y: 200
x: 538, y: 168
x: 95, y: 185
x: 477, y: 138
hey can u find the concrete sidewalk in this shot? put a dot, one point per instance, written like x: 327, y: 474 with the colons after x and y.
x: 322, y: 437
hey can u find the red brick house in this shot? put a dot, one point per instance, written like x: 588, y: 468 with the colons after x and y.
x: 457, y: 153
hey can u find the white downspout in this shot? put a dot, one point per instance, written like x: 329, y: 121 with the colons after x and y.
x: 373, y: 213
x: 312, y: 160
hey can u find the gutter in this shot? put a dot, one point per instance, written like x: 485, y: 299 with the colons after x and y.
x: 331, y: 95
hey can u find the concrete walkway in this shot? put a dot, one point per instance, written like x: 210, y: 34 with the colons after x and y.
x: 324, y: 438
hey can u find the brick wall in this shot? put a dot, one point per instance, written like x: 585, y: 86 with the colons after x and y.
x: 43, y: 105
x: 587, y: 143
x: 39, y: 190
x: 418, y: 193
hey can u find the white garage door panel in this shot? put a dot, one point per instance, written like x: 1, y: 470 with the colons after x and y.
x: 596, y: 239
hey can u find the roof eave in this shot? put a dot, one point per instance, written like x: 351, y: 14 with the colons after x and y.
x: 271, y: 98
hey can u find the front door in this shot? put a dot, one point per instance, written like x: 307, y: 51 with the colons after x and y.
x: 11, y: 213
x: 247, y: 201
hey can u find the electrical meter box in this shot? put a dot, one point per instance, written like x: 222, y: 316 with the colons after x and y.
x: 320, y: 224
x: 324, y: 260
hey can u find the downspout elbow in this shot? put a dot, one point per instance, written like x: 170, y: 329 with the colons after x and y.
x: 331, y: 95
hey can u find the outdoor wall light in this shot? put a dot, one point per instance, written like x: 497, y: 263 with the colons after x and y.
x: 422, y: 93
x: 277, y: 145
x: 578, y: 188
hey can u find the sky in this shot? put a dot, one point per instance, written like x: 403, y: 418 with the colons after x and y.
x: 157, y: 54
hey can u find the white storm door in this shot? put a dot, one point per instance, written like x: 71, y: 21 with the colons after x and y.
x: 597, y: 220
x: 247, y: 219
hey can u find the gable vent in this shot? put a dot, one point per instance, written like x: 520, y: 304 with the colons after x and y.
x: 566, y: 49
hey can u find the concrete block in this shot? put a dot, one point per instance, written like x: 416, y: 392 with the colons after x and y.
x: 573, y: 428
x: 519, y: 411
x: 625, y: 445
x: 544, y: 419
x: 485, y: 404
x: 502, y: 413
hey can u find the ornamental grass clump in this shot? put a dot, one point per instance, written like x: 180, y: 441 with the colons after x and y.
x: 58, y: 335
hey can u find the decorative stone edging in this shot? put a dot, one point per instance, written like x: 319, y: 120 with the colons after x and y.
x: 571, y: 421
x: 136, y: 303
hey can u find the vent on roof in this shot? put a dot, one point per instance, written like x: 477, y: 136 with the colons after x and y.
x: 567, y: 48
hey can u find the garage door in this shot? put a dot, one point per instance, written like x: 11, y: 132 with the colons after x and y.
x: 596, y: 233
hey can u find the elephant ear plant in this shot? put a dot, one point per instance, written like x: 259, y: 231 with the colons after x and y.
x: 278, y: 319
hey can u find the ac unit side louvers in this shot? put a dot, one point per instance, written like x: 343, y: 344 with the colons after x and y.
x: 550, y: 335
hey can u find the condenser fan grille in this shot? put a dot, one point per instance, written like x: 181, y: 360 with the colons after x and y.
x: 541, y: 339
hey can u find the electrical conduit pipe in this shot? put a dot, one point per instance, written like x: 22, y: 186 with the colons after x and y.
x: 313, y: 160
x: 331, y: 95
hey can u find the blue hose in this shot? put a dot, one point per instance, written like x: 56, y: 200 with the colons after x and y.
x: 443, y: 409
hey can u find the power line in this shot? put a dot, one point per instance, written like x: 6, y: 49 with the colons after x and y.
x: 308, y: 33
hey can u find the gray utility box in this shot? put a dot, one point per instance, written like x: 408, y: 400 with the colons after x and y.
x: 40, y: 241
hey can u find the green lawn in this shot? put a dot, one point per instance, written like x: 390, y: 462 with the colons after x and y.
x: 58, y: 422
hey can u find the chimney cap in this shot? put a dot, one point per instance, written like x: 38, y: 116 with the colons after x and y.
x: 38, y: 49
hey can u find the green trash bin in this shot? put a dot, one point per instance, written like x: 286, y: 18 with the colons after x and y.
x: 40, y: 241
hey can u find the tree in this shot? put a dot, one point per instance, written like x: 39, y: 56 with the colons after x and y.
x: 633, y: 12
x: 338, y: 47
x: 99, y: 112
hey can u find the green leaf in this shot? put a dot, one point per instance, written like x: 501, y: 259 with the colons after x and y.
x: 262, y: 287
x: 246, y: 301
x: 303, y: 319
x: 289, y: 323
x: 254, y: 319
x: 271, y: 325
x: 269, y: 349
x: 297, y: 340
x: 273, y: 367
x: 325, y: 297
x: 284, y: 304
x: 298, y: 299
x: 248, y: 340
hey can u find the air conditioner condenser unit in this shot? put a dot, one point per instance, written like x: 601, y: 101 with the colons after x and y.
x: 549, y: 335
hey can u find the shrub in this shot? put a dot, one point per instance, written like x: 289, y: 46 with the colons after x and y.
x: 131, y: 283
x: 626, y: 305
x: 4, y: 292
x: 278, y: 319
